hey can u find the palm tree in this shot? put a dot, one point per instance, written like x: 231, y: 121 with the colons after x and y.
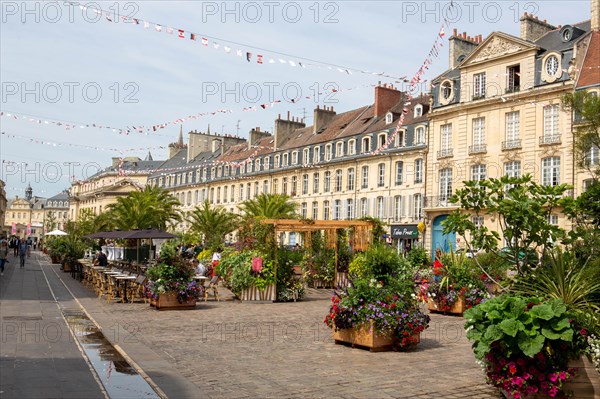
x: 212, y: 223
x: 152, y: 208
x: 270, y: 206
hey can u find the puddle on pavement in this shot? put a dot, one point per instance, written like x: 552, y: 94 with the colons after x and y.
x: 119, y: 378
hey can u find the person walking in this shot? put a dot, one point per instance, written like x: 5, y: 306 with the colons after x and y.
x: 23, y: 252
x: 3, y: 255
x: 15, y: 245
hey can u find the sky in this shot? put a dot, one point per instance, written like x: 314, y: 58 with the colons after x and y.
x: 61, y: 65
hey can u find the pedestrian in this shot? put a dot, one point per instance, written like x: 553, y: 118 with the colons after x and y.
x: 29, y: 245
x: 23, y: 251
x: 15, y: 245
x: 216, y: 258
x: 3, y: 255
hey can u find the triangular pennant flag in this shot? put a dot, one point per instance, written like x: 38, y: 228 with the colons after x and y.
x: 442, y: 33
x: 271, y: 61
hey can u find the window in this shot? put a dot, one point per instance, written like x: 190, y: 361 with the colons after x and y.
x: 212, y: 195
x: 337, y: 210
x: 382, y: 140
x: 478, y: 172
x: 267, y: 163
x: 365, y: 145
x: 277, y: 161
x: 305, y: 184
x: 338, y: 180
x: 512, y: 169
x: 445, y: 184
x: 294, y: 185
x: 399, y: 141
x: 420, y: 136
x: 295, y: 158
x: 275, y: 186
x: 365, y: 177
x: 591, y: 156
x: 418, y: 110
x: 315, y: 183
x: 512, y: 129
x: 306, y: 156
x: 553, y: 220
x: 364, y: 207
x: 241, y: 192
x: 303, y: 210
x: 380, y: 212
x: 551, y: 66
x: 551, y: 122
x: 315, y: 210
x: 389, y: 118
x: 328, y: 152
x: 218, y: 195
x: 418, y: 206
x: 478, y: 85
x: 349, y: 209
x: 418, y: 171
x: 477, y: 221
x: 285, y: 159
x: 381, y: 175
x: 256, y: 187
x: 317, y: 155
x: 399, y: 171
x: 551, y: 171
x: 513, y: 74
x: 325, y: 210
x: 284, y: 186
x: 265, y: 188
x: 478, y: 135
x: 446, y: 139
x: 351, y: 177
x: 248, y: 190
x: 446, y: 90
x: 397, y: 208
x: 327, y: 187
x: 339, y: 149
x: 232, y: 194
x: 351, y: 147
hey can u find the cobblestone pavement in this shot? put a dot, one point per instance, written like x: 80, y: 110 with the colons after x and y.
x: 229, y: 349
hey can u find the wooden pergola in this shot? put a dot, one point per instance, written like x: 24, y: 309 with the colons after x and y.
x: 362, y: 235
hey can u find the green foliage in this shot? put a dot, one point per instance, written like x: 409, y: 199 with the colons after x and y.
x: 359, y: 268
x: 586, y: 109
x: 236, y: 270
x: 522, y: 325
x: 168, y: 252
x: 459, y: 271
x: 213, y: 223
x: 523, y: 208
x: 69, y: 248
x: 378, y: 228
x: 269, y: 206
x: 382, y: 263
x: 319, y: 265
x: 495, y: 265
x: 418, y: 257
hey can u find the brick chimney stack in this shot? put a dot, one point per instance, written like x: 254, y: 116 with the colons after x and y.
x: 461, y: 45
x: 284, y: 129
x: 322, y: 116
x: 385, y: 98
x: 255, y: 135
x: 532, y: 28
x: 595, y: 15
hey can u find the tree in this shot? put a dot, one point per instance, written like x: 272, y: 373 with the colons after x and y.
x: 586, y: 114
x: 153, y: 207
x: 50, y: 223
x: 212, y: 223
x: 522, y: 207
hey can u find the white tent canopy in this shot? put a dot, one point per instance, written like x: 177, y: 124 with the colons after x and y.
x: 56, y: 233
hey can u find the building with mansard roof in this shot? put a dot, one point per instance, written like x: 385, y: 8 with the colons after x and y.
x: 496, y: 111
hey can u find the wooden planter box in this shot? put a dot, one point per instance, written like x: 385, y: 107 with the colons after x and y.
x: 254, y: 294
x: 457, y: 309
x: 366, y: 337
x: 341, y: 279
x: 66, y: 267
x: 55, y: 259
x: 168, y: 301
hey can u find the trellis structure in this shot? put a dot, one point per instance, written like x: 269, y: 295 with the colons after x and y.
x: 362, y: 233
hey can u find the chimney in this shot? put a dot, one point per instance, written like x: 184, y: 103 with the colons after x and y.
x: 595, y: 15
x: 385, y: 98
x: 115, y: 161
x: 284, y: 129
x: 255, y: 135
x: 322, y: 117
x: 461, y: 46
x: 532, y: 28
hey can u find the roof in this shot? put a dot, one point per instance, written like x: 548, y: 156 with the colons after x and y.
x: 179, y: 160
x: 262, y: 146
x: 62, y: 196
x: 590, y: 69
x: 552, y: 41
x: 130, y: 166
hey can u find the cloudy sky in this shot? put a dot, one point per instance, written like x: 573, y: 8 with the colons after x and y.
x: 60, y: 63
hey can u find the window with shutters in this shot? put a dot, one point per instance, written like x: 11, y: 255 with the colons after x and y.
x: 364, y: 207
x: 338, y: 180
x: 380, y: 212
x: 418, y: 171
x: 418, y: 206
x: 337, y: 210
x: 266, y: 187
x: 397, y: 208
x: 284, y: 186
x: 275, y: 186
x: 303, y: 210
x: 241, y: 195
x: 381, y: 175
x: 351, y: 177
x: 225, y: 193
x: 349, y: 209
x: 315, y: 210
x: 294, y: 185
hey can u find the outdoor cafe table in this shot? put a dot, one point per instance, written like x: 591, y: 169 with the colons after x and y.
x: 125, y: 280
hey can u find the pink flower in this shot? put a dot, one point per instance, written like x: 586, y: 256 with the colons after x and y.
x: 583, y: 331
x: 552, y: 377
x: 562, y: 375
x: 526, y: 376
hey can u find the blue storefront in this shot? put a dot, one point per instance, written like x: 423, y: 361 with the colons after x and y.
x: 439, y: 239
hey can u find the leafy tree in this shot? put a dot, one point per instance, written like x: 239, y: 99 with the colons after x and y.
x: 586, y: 110
x: 212, y: 223
x: 153, y: 207
x: 522, y: 207
x: 50, y: 223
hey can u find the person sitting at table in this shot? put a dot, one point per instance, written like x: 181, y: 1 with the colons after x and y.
x: 199, y: 267
x: 101, y: 259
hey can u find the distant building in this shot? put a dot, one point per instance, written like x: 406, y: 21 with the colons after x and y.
x: 3, y: 205
x: 26, y: 216
x: 57, y: 211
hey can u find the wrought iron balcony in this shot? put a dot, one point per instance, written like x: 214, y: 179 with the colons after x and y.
x: 511, y: 144
x: 438, y: 202
x: 550, y: 139
x: 477, y: 149
x: 446, y: 153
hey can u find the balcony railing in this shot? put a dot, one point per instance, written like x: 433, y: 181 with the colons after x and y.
x: 550, y: 139
x: 446, y: 153
x: 512, y: 89
x: 438, y: 202
x: 511, y: 144
x: 477, y: 149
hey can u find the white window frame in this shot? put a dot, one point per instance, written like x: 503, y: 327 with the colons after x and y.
x: 418, y: 170
x: 551, y: 171
x: 479, y: 82
x: 364, y: 176
x: 351, y: 176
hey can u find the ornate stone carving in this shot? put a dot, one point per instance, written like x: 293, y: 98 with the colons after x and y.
x: 497, y: 47
x: 511, y: 156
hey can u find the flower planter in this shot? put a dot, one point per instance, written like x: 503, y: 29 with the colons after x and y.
x: 366, y: 337
x: 55, y: 259
x: 341, y: 279
x: 66, y: 267
x: 586, y: 384
x: 457, y: 309
x: 169, y: 300
x: 320, y: 283
x: 254, y: 294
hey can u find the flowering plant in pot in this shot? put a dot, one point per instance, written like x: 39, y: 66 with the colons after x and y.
x: 524, y: 344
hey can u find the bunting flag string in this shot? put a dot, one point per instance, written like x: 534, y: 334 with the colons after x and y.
x: 265, y: 56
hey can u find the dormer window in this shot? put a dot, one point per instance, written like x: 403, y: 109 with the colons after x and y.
x: 389, y: 118
x: 285, y: 159
x: 339, y: 149
x: 366, y: 145
x: 551, y: 70
x: 294, y: 157
x: 382, y: 140
x: 306, y: 156
x: 351, y: 147
x: 418, y: 110
x: 328, y: 152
